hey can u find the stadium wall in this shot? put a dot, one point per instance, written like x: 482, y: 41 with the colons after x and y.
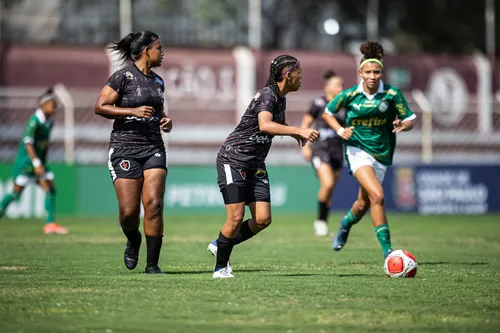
x: 192, y: 190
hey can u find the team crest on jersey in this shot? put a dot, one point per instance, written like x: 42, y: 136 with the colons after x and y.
x: 383, y: 106
x: 125, y: 165
x: 129, y: 76
x: 160, y: 93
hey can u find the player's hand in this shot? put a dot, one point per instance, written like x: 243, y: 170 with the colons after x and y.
x: 40, y: 171
x: 166, y: 124
x: 347, y: 133
x: 309, y: 134
x: 143, y: 112
x: 398, y: 126
x: 307, y: 153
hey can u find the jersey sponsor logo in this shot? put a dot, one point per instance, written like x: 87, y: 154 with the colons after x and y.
x: 129, y: 76
x: 370, y: 122
x: 158, y: 80
x: 356, y: 106
x: 142, y: 119
x: 401, y: 109
x: 383, y: 106
x: 157, y: 154
x: 125, y: 165
x: 260, y: 138
x: 256, y: 97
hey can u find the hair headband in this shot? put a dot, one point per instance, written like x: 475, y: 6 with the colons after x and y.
x: 371, y: 60
x: 45, y: 98
x: 290, y: 69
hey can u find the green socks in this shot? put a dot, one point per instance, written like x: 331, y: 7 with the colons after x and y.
x: 349, y: 220
x: 50, y: 207
x: 6, y: 201
x: 384, y: 237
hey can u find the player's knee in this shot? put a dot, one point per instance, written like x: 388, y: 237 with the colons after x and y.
x: 154, y: 207
x: 129, y: 214
x: 377, y: 198
x: 263, y: 221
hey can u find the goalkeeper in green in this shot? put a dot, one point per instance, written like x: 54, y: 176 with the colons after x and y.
x: 31, y: 161
x: 375, y: 113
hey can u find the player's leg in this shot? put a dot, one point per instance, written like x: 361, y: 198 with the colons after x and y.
x: 47, y: 184
x: 355, y: 214
x: 153, y: 191
x: 232, y: 183
x: 370, y: 179
x: 326, y: 177
x: 12, y: 196
x: 126, y: 174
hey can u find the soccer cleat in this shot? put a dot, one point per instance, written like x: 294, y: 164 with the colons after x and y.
x: 153, y: 269
x: 386, y: 253
x: 131, y: 254
x: 212, y: 248
x: 340, y: 238
x: 321, y: 228
x: 222, y: 273
x: 54, y: 228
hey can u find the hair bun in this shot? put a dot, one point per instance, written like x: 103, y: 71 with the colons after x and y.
x: 372, y: 50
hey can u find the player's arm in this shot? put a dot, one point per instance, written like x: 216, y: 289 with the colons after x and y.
x: 333, y: 107
x: 105, y: 107
x: 306, y: 149
x: 268, y: 126
x: 29, y: 144
x: 406, y: 117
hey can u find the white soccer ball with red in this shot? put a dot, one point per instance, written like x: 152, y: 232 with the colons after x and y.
x: 400, y: 264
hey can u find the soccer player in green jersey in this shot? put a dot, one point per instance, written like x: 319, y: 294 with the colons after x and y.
x: 31, y: 161
x: 376, y: 111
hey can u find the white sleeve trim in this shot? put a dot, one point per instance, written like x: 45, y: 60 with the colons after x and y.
x: 28, y: 139
x: 413, y: 116
x: 328, y: 112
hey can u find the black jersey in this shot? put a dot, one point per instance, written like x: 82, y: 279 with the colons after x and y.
x: 137, y: 89
x: 247, y: 146
x: 328, y: 139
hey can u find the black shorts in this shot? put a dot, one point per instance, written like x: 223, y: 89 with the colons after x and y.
x: 131, y: 162
x: 242, y: 185
x: 335, y: 159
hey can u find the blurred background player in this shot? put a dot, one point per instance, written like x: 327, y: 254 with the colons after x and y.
x: 133, y: 97
x: 326, y: 154
x: 31, y: 161
x: 375, y: 113
x: 241, y: 168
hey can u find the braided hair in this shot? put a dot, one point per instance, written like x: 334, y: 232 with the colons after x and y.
x: 131, y: 46
x: 276, y: 69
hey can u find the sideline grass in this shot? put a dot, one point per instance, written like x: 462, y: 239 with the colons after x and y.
x: 286, y: 279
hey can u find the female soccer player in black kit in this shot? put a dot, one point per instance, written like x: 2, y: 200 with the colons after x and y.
x: 133, y: 97
x: 326, y: 154
x: 241, y: 168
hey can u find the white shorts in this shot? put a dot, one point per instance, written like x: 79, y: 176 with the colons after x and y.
x: 357, y: 158
x: 23, y: 180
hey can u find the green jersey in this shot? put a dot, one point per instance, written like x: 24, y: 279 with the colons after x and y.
x: 37, y: 132
x: 372, y: 117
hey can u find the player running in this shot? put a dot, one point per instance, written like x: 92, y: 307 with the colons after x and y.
x: 241, y: 169
x: 376, y: 111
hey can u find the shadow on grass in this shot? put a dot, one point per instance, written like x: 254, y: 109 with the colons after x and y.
x: 211, y: 271
x: 336, y: 275
x: 475, y: 263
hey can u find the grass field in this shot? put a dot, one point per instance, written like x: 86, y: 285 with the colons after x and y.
x: 286, y: 279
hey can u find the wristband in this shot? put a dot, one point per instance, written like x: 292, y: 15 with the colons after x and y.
x: 340, y: 131
x: 36, y: 162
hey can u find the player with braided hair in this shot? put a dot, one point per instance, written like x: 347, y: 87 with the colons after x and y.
x: 241, y: 169
x: 376, y: 111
